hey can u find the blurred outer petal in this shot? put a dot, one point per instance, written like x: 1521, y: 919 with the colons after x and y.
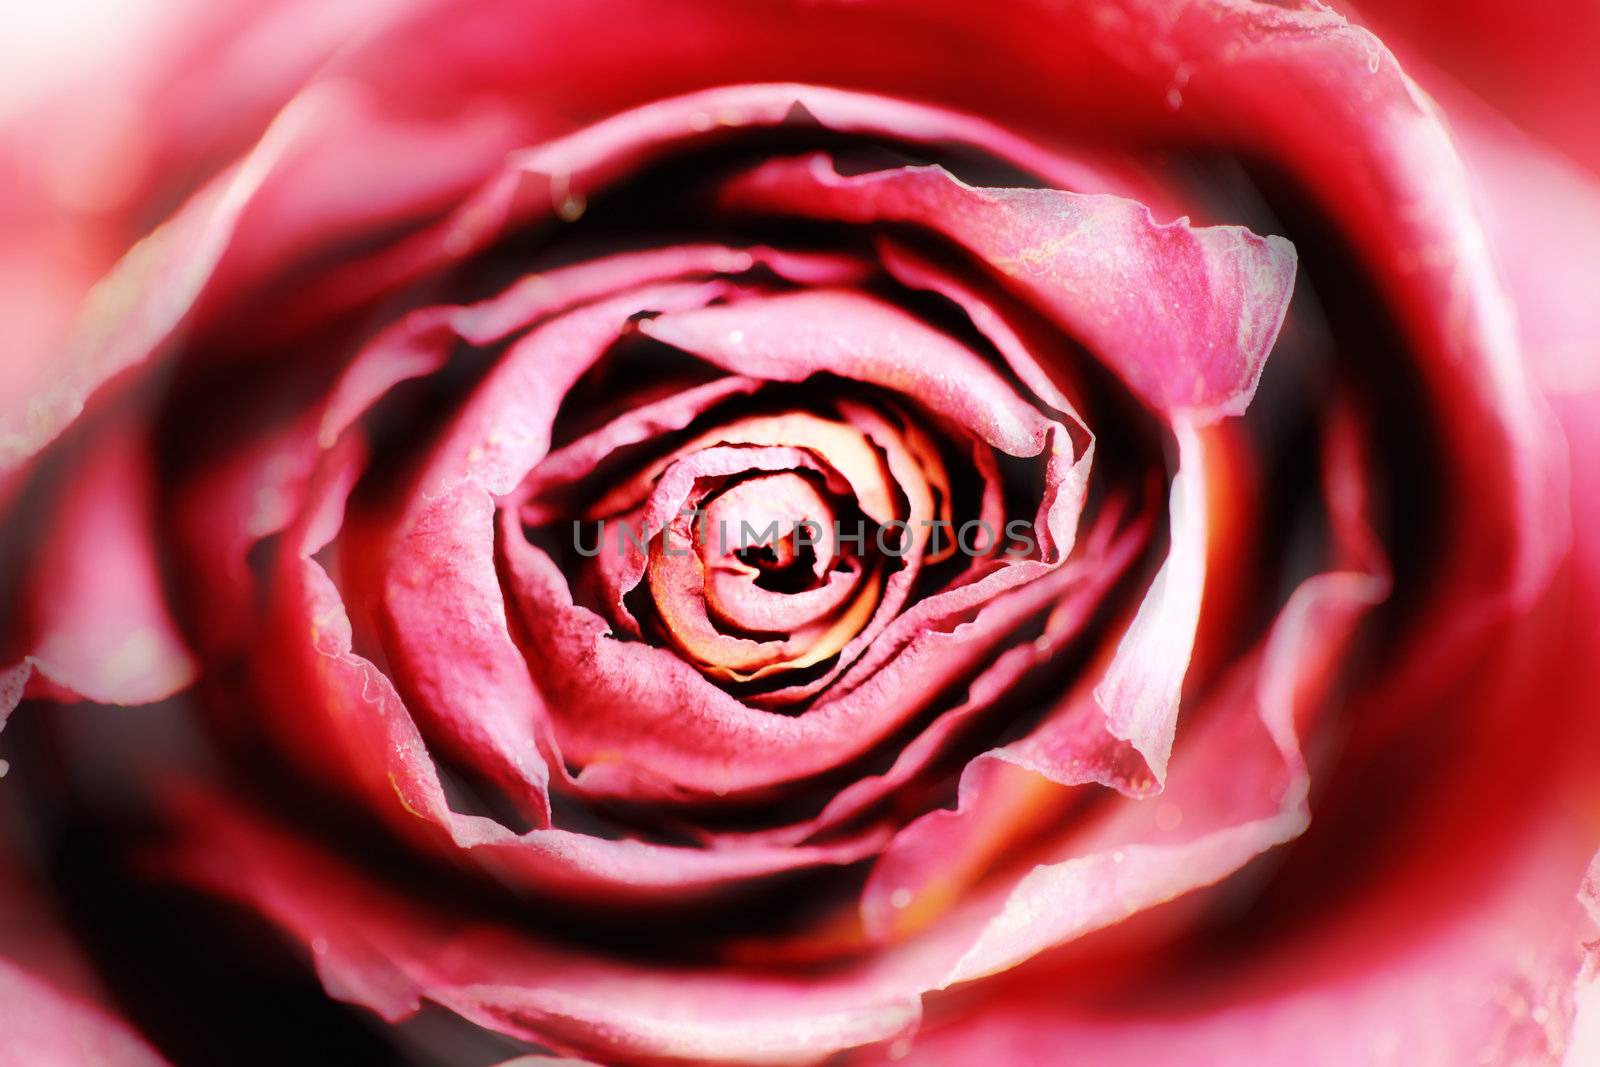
x: 135, y: 308
x: 1547, y: 247
x: 51, y: 1012
x: 1534, y: 64
x: 1585, y: 1047
x: 1186, y: 315
x: 304, y: 183
x: 1383, y: 164
x: 175, y: 90
x: 99, y: 625
x: 1548, y: 250
x: 43, y: 1027
x: 1534, y: 70
x: 373, y: 948
x: 1491, y: 985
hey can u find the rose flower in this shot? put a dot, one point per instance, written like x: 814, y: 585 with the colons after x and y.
x: 778, y: 533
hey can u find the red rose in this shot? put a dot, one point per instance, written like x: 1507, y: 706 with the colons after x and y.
x: 755, y: 532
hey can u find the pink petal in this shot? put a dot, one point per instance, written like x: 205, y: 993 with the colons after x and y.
x: 1141, y: 687
x: 367, y: 742
x: 52, y: 1010
x: 643, y: 707
x: 1532, y: 66
x: 44, y: 1026
x: 1186, y: 315
x: 1101, y: 565
x: 1492, y: 983
x: 555, y: 179
x: 375, y: 948
x: 1239, y: 785
x: 446, y: 629
x: 101, y: 629
x: 791, y: 337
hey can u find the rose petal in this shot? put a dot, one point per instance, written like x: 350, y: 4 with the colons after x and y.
x: 52, y: 1009
x: 628, y: 704
x: 1241, y: 787
x: 1142, y: 685
x: 375, y: 949
x: 794, y: 336
x: 446, y: 619
x: 101, y: 629
x: 1492, y: 984
x: 45, y: 1026
x: 1105, y: 560
x: 1186, y: 315
x: 367, y: 742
